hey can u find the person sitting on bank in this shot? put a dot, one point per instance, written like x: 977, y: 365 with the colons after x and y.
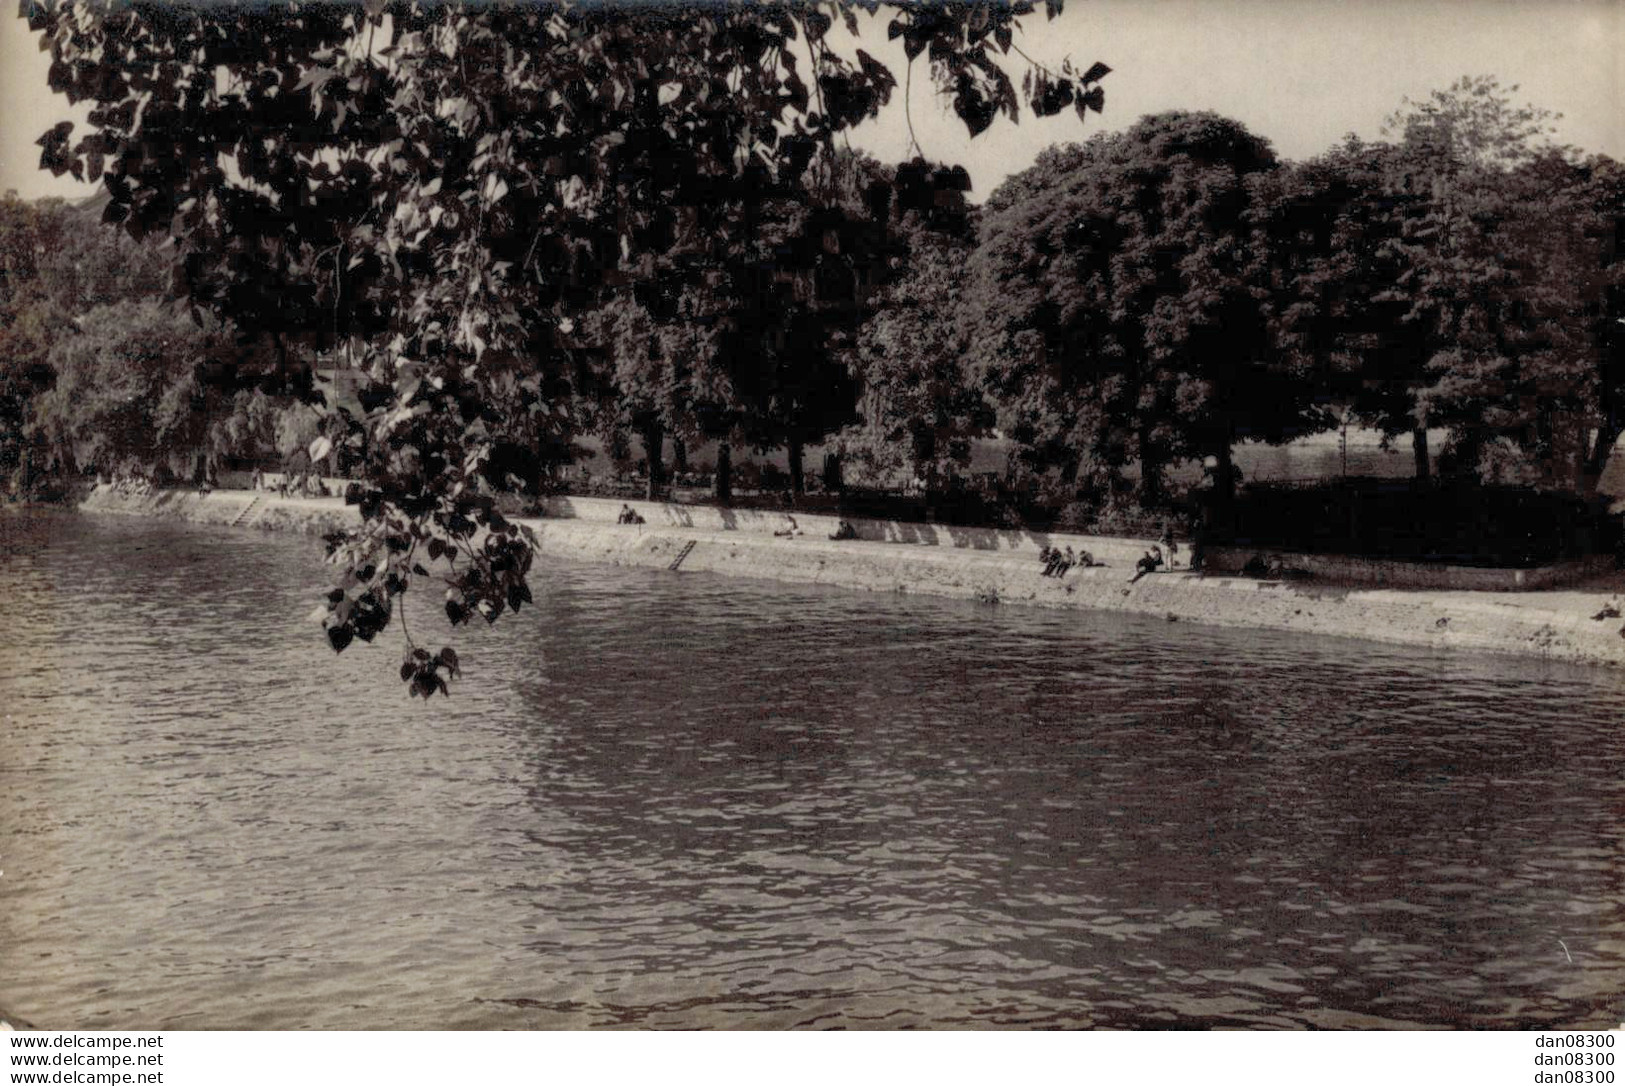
x: 1065, y: 562
x: 629, y: 515
x: 1046, y: 558
x: 790, y: 529
x: 1148, y: 564
x: 845, y: 531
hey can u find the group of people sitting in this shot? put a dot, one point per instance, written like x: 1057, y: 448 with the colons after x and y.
x: 629, y: 515
x: 133, y: 484
x: 301, y: 484
x: 1056, y: 561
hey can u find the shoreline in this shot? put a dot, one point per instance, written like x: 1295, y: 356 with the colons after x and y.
x: 994, y: 567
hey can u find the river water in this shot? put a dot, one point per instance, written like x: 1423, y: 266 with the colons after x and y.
x: 680, y: 800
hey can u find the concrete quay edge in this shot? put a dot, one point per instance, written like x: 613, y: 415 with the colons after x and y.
x: 1550, y: 625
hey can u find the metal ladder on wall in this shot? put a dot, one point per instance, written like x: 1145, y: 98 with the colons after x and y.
x: 682, y: 554
x: 243, y: 513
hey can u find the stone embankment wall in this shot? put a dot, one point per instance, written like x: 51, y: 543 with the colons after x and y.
x: 994, y: 567
x: 1376, y: 573
x: 1523, y: 623
x: 232, y: 508
x: 1111, y: 550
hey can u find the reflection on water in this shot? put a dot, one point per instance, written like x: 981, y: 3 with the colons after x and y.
x: 665, y: 800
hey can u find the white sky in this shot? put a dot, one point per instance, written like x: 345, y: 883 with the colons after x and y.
x: 1301, y: 73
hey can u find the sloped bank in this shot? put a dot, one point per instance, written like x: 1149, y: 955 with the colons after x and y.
x: 231, y: 508
x: 1556, y: 625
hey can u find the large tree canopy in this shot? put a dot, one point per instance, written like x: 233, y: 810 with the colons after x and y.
x: 1458, y: 278
x: 1340, y: 231
x: 1118, y: 302
x: 1451, y: 162
x: 56, y: 264
x: 429, y: 191
x: 130, y: 387
x: 1540, y: 366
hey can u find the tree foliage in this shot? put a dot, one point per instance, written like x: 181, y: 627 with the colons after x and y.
x: 1452, y: 278
x: 57, y: 263
x: 1471, y: 125
x: 1117, y: 311
x: 1341, y: 233
x: 1549, y: 380
x: 130, y: 387
x: 921, y: 407
x: 29, y: 317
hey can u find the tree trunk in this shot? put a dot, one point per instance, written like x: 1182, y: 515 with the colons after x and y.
x: 833, y: 476
x: 1150, y: 484
x: 1469, y: 448
x: 654, y: 437
x: 1546, y: 453
x: 281, y: 360
x: 1224, y: 483
x: 725, y: 486
x: 679, y: 455
x: 798, y: 471
x: 1419, y: 448
x: 1150, y: 474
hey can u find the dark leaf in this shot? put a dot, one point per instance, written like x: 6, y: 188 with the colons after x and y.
x: 54, y: 148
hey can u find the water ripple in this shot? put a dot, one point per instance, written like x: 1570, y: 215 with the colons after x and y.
x: 688, y: 801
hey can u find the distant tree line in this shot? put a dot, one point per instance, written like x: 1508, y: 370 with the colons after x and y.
x: 1141, y: 299
x: 1159, y: 295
